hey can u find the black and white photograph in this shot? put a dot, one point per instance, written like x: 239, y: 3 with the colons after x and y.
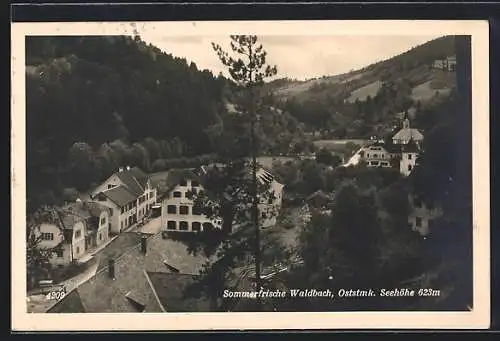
x: 208, y: 170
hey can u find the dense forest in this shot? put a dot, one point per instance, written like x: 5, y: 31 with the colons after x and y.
x: 95, y: 103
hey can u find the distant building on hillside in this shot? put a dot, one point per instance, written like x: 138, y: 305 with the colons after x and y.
x: 448, y: 64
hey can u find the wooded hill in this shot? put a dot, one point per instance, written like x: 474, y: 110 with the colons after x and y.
x: 96, y: 103
x: 365, y: 102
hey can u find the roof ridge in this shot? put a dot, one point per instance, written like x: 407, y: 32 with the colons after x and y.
x: 136, y: 246
x: 137, y: 182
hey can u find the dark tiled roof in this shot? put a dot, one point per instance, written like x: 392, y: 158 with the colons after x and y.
x: 133, y: 290
x: 125, y: 241
x: 171, y: 290
x: 176, y: 175
x: 410, y: 147
x: 393, y: 148
x: 129, y: 291
x: 134, y: 179
x: 120, y: 195
x: 163, y: 253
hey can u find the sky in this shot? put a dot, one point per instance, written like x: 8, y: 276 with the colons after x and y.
x: 298, y: 57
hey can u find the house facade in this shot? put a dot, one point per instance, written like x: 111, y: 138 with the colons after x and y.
x: 376, y: 155
x: 77, y: 229
x: 422, y: 215
x: 128, y: 194
x: 180, y: 214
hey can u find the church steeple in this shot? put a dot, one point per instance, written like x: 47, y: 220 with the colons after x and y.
x: 406, y: 120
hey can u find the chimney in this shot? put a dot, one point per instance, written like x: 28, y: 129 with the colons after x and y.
x: 144, y: 244
x: 111, y: 268
x: 120, y: 169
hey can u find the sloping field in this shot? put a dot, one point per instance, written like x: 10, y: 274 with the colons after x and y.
x: 365, y: 91
x: 337, y: 143
x: 426, y: 91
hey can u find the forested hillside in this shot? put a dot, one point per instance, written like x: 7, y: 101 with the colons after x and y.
x: 94, y: 104
x: 365, y: 102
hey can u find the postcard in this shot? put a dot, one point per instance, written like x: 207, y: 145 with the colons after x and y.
x: 245, y: 175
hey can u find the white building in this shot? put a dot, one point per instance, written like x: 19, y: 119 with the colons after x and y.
x: 422, y: 215
x: 129, y: 195
x: 179, y: 213
x: 73, y: 231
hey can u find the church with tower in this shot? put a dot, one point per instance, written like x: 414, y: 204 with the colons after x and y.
x: 399, y: 152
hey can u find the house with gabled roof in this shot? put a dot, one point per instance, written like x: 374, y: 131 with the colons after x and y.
x: 75, y: 229
x: 180, y: 214
x: 129, y: 194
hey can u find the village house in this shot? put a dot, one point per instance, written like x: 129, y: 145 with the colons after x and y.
x: 422, y: 215
x: 180, y: 214
x: 75, y: 230
x: 129, y: 195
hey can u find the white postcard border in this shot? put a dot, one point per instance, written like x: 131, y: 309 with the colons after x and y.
x: 478, y: 318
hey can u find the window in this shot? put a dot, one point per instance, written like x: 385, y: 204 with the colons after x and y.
x: 183, y: 226
x: 77, y: 250
x: 196, y: 226
x: 110, y: 186
x: 183, y: 182
x: 196, y: 210
x: 367, y: 155
x: 418, y: 221
x: 194, y: 183
x: 100, y: 237
x: 409, y: 168
x: 375, y: 155
x: 171, y: 225
x: 121, y: 225
x: 171, y: 209
x: 47, y: 236
x: 147, y: 196
x: 184, y: 210
x: 122, y: 210
x: 263, y: 215
x: 78, y: 233
x: 111, y: 212
x: 60, y: 253
x: 409, y: 156
x: 103, y: 221
x: 177, y: 194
